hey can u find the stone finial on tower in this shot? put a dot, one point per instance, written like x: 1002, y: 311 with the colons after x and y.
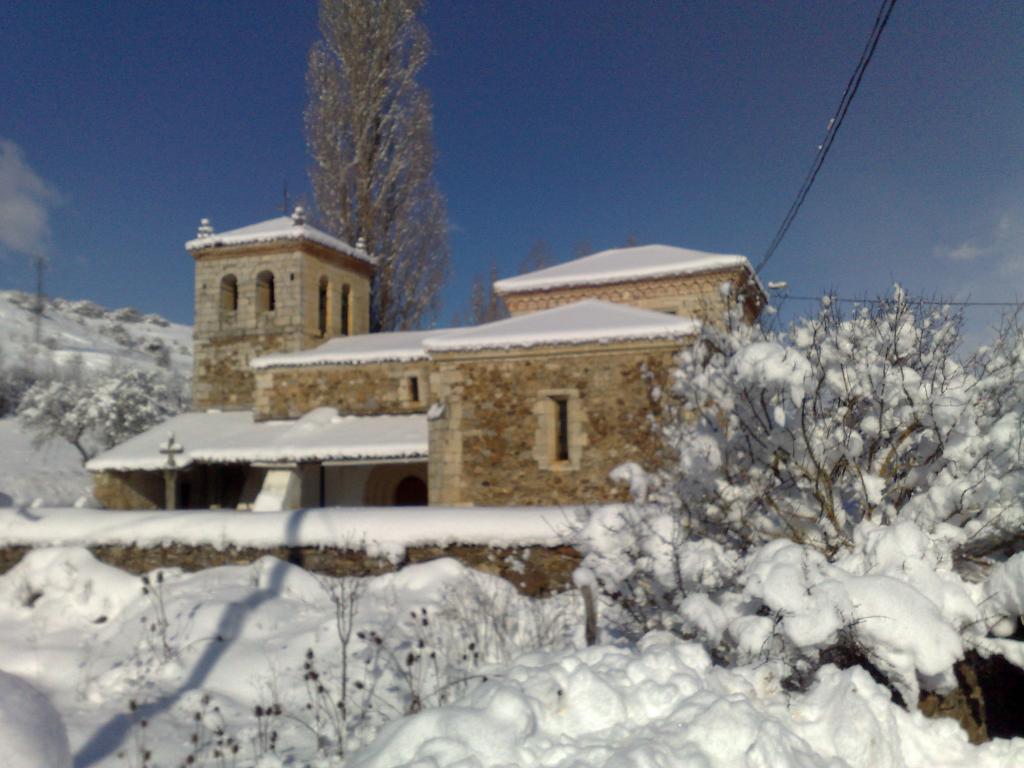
x: 205, y: 229
x: 299, y: 216
x: 361, y: 243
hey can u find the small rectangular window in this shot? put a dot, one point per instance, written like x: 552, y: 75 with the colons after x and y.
x: 414, y: 389
x: 346, y: 310
x: 561, y: 429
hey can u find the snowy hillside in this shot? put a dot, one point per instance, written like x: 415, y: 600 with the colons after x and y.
x: 71, y: 334
x: 50, y: 475
x: 100, y: 336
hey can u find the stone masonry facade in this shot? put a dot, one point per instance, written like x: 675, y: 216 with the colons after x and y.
x: 227, y: 338
x: 697, y: 295
x: 360, y: 389
x: 539, y: 425
x: 129, y: 490
x: 494, y: 444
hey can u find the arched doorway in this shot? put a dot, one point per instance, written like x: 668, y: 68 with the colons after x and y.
x: 411, y: 491
x: 390, y: 485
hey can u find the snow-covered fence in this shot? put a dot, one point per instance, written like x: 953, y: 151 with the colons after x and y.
x: 528, y: 546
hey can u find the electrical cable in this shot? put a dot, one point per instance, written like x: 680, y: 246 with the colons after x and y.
x: 852, y: 85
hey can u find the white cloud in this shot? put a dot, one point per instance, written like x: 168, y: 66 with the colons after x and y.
x: 962, y: 252
x: 1005, y: 244
x: 25, y: 203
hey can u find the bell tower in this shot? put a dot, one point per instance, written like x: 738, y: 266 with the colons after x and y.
x: 280, y: 285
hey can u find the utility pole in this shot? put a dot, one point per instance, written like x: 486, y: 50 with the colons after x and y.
x: 40, y: 262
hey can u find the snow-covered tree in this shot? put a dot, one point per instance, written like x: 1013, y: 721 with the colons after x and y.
x: 852, y: 481
x: 52, y: 410
x: 370, y: 132
x: 98, y: 411
x: 871, y: 417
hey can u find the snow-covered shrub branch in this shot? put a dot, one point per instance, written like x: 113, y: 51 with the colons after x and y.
x: 826, y: 484
x: 805, y: 434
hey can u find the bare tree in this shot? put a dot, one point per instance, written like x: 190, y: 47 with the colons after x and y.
x: 485, y: 306
x: 582, y: 248
x: 538, y: 257
x: 370, y: 133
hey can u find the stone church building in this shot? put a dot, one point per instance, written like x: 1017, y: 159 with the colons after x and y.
x: 297, y: 405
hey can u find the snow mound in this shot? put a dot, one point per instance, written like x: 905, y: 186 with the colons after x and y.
x: 32, y: 733
x: 69, y: 583
x: 665, y: 704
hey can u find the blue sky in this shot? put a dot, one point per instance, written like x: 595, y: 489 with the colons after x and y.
x: 692, y: 124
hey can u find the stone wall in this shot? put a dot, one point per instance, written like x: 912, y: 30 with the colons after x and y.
x: 495, y: 444
x: 221, y: 374
x: 200, y: 486
x: 227, y: 339
x: 535, y: 571
x: 696, y: 295
x: 129, y: 490
x: 364, y: 389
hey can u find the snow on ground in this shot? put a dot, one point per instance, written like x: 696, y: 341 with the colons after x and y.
x: 220, y: 642
x: 102, y: 337
x: 664, y: 704
x: 385, y: 531
x: 236, y: 654
x: 51, y: 475
x: 31, y: 730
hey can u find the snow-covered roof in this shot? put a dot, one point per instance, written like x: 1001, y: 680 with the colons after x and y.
x: 396, y: 346
x: 621, y: 265
x: 232, y: 437
x: 272, y: 230
x: 584, y: 322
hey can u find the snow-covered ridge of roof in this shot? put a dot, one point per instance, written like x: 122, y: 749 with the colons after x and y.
x: 622, y: 265
x: 272, y: 230
x: 232, y: 437
x: 396, y: 346
x: 585, y: 322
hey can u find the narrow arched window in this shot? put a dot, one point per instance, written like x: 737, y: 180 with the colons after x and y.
x: 265, y: 299
x: 229, y: 293
x: 323, y: 293
x: 346, y: 310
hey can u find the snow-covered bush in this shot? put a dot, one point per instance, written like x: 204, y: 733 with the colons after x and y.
x: 664, y: 703
x: 842, y: 483
x: 15, y: 381
x: 97, y: 411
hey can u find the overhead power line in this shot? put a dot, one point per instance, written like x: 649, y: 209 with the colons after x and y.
x: 930, y: 302
x: 833, y: 128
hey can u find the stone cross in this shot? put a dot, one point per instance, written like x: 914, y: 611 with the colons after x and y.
x: 170, y: 449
